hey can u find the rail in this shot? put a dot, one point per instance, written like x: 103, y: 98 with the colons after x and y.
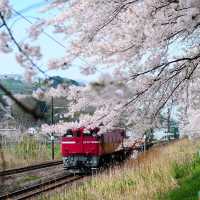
x: 30, y: 167
x: 42, y: 187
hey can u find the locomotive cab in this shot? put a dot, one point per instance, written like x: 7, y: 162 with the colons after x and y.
x: 81, y: 148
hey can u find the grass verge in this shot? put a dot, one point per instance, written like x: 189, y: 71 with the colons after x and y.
x: 27, y: 151
x: 188, y: 181
x: 154, y: 175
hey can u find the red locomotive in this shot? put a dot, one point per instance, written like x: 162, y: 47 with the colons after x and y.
x: 84, y: 148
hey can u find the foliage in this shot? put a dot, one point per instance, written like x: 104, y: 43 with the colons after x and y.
x: 180, y: 171
x: 17, y: 86
x: 151, y: 47
x: 188, y: 175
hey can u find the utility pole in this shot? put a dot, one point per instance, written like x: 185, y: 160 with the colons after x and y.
x: 145, y: 137
x: 168, y: 122
x: 52, y: 134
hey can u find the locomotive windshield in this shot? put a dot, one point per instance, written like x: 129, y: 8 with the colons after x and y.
x: 72, y: 133
x: 90, y: 132
x: 94, y: 131
x: 87, y: 133
x: 68, y: 133
x: 79, y: 132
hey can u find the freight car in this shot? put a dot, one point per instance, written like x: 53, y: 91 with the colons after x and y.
x: 86, y: 149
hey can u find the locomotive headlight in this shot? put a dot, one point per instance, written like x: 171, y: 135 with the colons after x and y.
x: 65, y: 161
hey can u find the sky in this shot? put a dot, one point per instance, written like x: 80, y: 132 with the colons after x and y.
x: 19, y: 26
x: 30, y: 9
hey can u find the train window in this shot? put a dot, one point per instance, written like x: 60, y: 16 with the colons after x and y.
x: 87, y: 133
x: 77, y: 133
x: 94, y: 131
x: 68, y: 133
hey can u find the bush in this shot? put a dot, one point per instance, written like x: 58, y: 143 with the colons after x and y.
x: 182, y: 170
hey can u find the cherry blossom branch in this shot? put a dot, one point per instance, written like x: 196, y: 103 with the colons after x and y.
x: 116, y: 12
x: 18, y: 46
x: 187, y: 77
x: 134, y: 76
x: 139, y: 94
x: 198, y: 24
x: 163, y: 6
x: 2, y: 25
x: 26, y: 109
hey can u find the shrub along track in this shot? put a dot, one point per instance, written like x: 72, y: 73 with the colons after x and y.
x: 30, y: 168
x: 44, y: 186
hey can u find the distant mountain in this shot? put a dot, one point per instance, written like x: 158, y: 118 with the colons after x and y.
x: 17, y: 85
x: 54, y: 81
x: 11, y: 76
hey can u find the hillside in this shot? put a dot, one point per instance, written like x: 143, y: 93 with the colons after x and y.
x: 17, y: 85
x: 54, y: 81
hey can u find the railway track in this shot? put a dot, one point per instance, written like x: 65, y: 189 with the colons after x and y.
x: 29, y: 168
x: 42, y: 187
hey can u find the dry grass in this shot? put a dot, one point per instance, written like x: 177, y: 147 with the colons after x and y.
x: 142, y: 179
x: 27, y: 151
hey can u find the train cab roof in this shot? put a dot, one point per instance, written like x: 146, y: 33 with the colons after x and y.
x: 78, y: 132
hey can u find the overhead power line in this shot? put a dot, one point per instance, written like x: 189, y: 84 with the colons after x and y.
x: 45, y: 33
x: 48, y: 35
x: 18, y: 46
x: 31, y: 7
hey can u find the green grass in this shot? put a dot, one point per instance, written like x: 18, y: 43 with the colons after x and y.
x: 30, y: 148
x: 26, y: 179
x: 188, y: 179
x: 56, y: 150
x: 29, y: 178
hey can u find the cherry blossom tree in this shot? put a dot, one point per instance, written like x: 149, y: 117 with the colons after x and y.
x: 151, y: 46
